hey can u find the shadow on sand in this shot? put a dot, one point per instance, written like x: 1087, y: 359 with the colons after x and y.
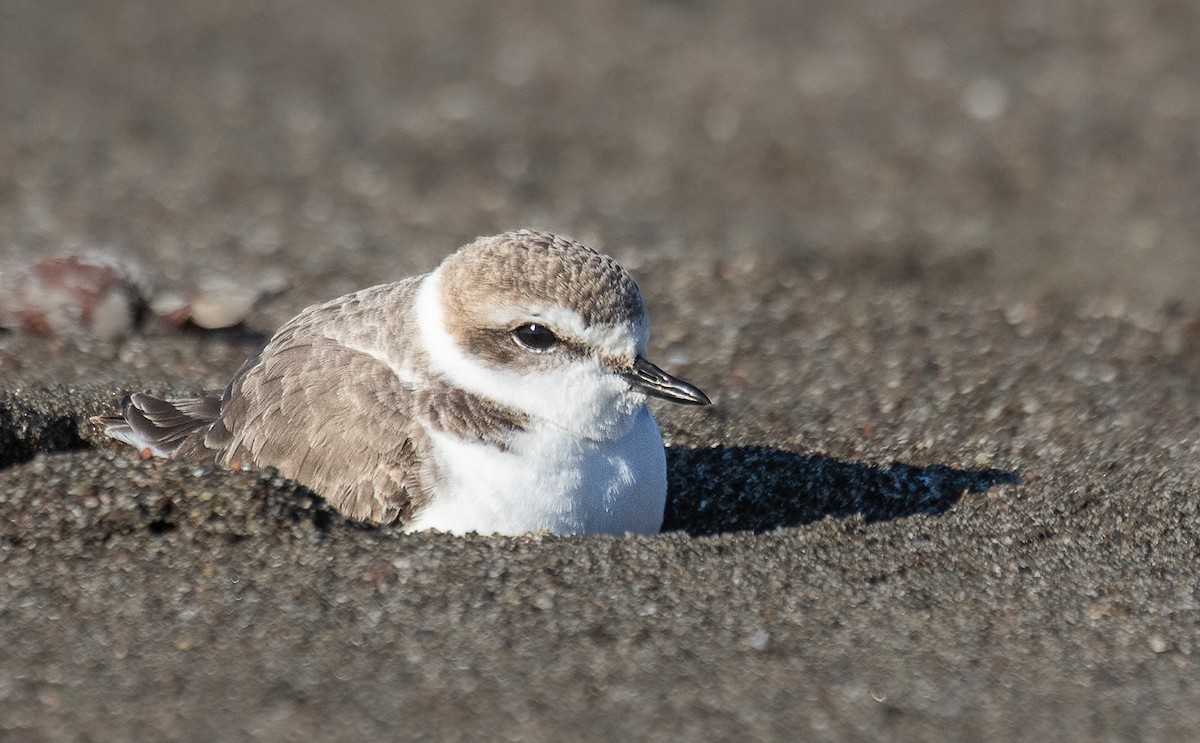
x: 759, y: 488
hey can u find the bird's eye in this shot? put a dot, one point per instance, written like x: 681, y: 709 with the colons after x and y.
x: 535, y: 336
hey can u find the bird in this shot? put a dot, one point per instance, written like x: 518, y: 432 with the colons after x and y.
x: 505, y: 392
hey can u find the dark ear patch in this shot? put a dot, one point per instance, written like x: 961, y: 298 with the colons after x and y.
x: 497, y: 346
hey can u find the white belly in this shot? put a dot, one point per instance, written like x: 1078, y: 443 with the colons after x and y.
x: 548, y: 482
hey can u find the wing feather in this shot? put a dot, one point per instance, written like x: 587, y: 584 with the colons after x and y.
x: 334, y: 418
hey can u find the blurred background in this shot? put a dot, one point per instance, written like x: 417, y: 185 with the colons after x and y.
x: 1046, y: 147
x: 960, y: 235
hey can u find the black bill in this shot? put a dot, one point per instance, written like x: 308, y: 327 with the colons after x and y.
x: 654, y: 381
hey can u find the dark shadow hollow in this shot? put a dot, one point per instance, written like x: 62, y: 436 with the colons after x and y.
x: 759, y: 488
x: 26, y: 430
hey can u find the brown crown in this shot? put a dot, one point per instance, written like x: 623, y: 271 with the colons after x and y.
x: 529, y: 267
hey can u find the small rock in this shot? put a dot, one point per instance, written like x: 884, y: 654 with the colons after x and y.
x: 72, y: 296
x: 216, y: 303
x: 759, y: 640
x: 222, y: 304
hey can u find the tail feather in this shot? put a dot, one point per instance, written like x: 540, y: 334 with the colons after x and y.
x: 161, y: 426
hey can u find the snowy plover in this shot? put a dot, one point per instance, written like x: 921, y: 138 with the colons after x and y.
x: 503, y: 392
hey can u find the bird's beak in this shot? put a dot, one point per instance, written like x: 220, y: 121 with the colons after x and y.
x: 648, y: 378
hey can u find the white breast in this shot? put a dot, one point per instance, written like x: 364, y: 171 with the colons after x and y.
x: 548, y: 481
